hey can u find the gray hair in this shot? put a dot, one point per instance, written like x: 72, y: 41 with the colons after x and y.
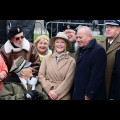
x: 86, y: 29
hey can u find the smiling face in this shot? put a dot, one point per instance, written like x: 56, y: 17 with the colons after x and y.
x: 70, y: 34
x: 18, y: 40
x: 84, y: 36
x: 42, y: 46
x: 60, y: 45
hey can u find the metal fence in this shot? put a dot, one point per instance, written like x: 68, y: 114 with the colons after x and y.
x: 38, y: 28
x: 41, y: 29
x: 95, y: 32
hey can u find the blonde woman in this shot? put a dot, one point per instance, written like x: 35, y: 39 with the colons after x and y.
x: 57, y: 70
x: 42, y: 45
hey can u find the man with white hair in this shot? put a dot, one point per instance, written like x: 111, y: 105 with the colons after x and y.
x: 17, y: 45
x: 89, y: 82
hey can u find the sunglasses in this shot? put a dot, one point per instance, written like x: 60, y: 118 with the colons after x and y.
x: 17, y: 38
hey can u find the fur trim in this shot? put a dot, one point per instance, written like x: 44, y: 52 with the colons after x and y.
x: 8, y: 47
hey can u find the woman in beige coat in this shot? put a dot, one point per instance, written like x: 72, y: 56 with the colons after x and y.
x: 56, y: 73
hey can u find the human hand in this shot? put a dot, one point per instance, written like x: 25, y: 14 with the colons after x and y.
x: 31, y: 95
x: 2, y: 77
x: 39, y: 96
x: 52, y: 95
x: 87, y: 98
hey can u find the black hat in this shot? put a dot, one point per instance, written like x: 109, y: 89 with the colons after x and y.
x: 14, y: 30
x: 112, y: 22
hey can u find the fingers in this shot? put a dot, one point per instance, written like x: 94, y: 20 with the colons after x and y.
x: 1, y: 76
x: 52, y: 95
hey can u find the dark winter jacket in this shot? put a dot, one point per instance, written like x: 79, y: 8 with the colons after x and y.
x: 115, y: 81
x: 90, y: 73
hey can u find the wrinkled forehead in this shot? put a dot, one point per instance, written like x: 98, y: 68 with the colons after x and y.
x: 43, y: 41
x: 69, y: 30
x: 27, y: 69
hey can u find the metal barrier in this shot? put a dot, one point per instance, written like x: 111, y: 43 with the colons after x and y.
x: 70, y: 23
x: 38, y: 28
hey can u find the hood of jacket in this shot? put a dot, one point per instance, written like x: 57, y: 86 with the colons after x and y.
x: 12, y: 78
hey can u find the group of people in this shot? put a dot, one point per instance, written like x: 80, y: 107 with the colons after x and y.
x: 69, y: 66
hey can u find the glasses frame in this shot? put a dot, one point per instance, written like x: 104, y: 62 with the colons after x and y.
x: 18, y: 38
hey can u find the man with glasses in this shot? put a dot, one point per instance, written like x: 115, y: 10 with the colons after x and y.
x: 17, y: 45
x: 111, y: 44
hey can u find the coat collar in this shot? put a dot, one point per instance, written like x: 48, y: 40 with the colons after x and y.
x: 114, y: 45
x: 57, y: 67
x: 54, y: 55
x: 83, y: 52
x: 61, y: 63
x: 13, y: 78
x: 8, y: 46
x: 91, y: 44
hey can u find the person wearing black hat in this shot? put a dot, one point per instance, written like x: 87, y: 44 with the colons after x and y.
x: 19, y: 84
x: 111, y: 44
x: 17, y: 45
x: 28, y: 28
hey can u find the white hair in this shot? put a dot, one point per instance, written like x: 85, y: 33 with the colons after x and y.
x: 86, y: 29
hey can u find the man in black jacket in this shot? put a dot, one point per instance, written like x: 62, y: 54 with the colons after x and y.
x: 89, y: 81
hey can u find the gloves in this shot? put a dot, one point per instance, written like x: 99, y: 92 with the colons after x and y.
x: 30, y: 95
x: 39, y: 96
x: 33, y: 95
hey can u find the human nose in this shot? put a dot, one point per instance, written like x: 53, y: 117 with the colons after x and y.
x: 20, y: 40
x: 77, y: 39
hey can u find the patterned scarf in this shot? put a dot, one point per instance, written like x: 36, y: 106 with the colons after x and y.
x: 59, y: 57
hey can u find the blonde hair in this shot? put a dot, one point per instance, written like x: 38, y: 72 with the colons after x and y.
x: 42, y: 37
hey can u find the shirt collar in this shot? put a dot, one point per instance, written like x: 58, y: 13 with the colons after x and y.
x: 110, y: 41
x: 23, y: 81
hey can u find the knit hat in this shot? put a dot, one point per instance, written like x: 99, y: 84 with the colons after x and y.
x: 19, y: 64
x: 14, y: 30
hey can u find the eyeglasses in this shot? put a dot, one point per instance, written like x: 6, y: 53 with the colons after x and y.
x: 17, y: 38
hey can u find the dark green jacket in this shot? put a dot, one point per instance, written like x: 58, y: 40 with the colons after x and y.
x: 13, y: 89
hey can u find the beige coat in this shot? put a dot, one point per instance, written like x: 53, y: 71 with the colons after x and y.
x: 110, y: 59
x: 57, y: 76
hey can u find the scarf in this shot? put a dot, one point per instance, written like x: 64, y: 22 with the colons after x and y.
x: 59, y: 57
